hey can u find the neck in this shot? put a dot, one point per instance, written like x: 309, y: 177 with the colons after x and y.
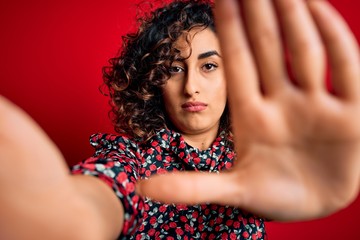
x: 201, y: 141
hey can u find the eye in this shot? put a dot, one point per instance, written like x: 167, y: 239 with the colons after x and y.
x: 208, y: 67
x: 175, y: 69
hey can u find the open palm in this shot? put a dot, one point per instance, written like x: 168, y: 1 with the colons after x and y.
x: 297, y: 144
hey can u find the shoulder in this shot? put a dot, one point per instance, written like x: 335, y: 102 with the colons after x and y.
x: 107, y: 140
x: 121, y: 143
x: 125, y: 144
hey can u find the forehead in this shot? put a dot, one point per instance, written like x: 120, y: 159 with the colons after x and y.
x: 199, y: 40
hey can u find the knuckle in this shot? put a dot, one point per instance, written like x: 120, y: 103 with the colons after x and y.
x: 265, y: 37
x: 306, y: 46
x: 287, y: 6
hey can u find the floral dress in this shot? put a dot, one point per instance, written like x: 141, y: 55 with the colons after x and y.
x: 120, y: 161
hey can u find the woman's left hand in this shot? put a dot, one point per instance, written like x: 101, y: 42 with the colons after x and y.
x: 297, y: 144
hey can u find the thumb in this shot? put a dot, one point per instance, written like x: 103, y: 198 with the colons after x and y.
x: 189, y: 188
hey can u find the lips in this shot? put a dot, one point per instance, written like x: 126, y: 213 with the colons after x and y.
x: 194, y: 106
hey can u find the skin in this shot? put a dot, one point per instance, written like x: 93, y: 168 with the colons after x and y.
x: 197, y: 77
x: 298, y: 146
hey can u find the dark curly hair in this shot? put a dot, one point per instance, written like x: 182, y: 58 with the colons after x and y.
x: 135, y: 77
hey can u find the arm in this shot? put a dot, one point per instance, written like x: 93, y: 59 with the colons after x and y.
x: 39, y: 198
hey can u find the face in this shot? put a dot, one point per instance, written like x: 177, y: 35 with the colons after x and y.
x: 195, y: 95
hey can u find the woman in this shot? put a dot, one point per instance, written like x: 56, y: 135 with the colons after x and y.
x: 169, y: 98
x: 171, y: 119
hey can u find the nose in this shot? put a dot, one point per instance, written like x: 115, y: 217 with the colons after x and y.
x: 191, y: 83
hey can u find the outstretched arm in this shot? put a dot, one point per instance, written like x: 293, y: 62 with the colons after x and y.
x: 297, y: 144
x: 39, y: 198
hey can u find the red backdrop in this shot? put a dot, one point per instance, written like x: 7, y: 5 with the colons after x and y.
x: 51, y: 54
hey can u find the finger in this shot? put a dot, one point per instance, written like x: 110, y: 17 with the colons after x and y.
x: 240, y: 72
x: 264, y: 36
x: 188, y: 188
x: 341, y: 47
x: 304, y: 44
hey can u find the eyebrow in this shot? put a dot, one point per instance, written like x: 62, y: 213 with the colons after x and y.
x: 208, y: 54
x: 201, y: 55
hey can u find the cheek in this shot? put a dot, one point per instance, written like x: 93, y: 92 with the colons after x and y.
x: 168, y: 99
x: 220, y: 90
x: 169, y: 89
x: 222, y: 99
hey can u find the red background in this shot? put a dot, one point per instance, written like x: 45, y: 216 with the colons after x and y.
x: 51, y: 54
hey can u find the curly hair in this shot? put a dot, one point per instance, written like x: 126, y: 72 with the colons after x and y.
x: 135, y: 77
